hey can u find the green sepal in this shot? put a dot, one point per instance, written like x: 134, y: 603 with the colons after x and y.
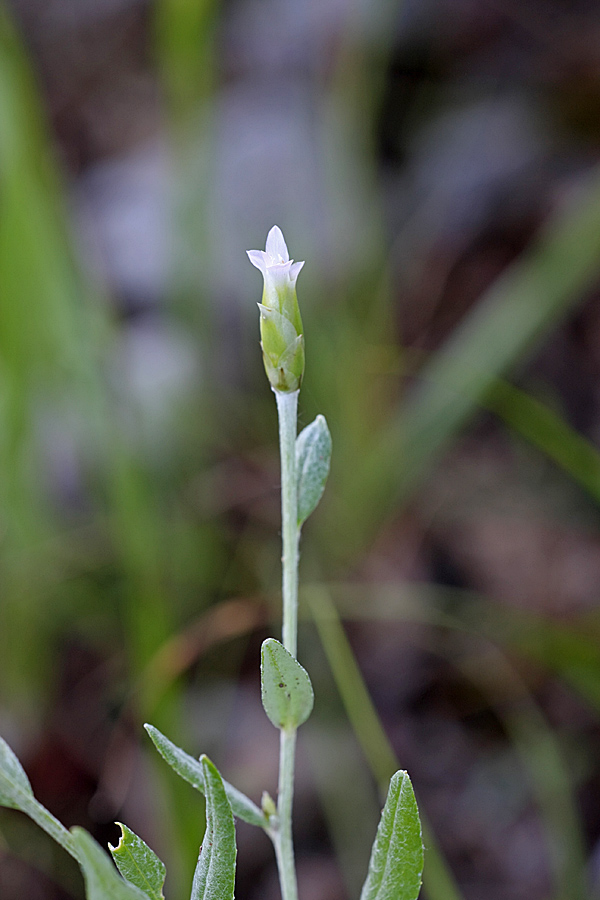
x: 292, y: 360
x: 214, y: 878
x: 396, y: 863
x: 285, y: 372
x: 276, y: 332
x: 191, y: 771
x: 284, y: 300
x: 138, y: 864
x: 313, y: 457
x: 102, y: 881
x: 287, y: 693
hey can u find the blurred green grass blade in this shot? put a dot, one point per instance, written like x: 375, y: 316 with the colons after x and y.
x: 520, y: 308
x: 42, y: 309
x: 544, y: 759
x: 52, y: 336
x: 139, y: 533
x: 185, y: 39
x: 476, y: 619
x: 547, y: 430
x: 375, y: 744
x: 569, y: 649
x: 184, y: 33
x: 37, y: 261
x: 437, y: 877
x: 47, y: 332
x: 337, y: 761
x: 573, y: 652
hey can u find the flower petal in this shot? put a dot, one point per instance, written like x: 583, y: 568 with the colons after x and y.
x: 295, y: 271
x: 279, y: 274
x: 276, y: 247
x: 258, y: 259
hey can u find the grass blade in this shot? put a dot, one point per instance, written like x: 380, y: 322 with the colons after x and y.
x: 520, y: 308
x: 438, y: 878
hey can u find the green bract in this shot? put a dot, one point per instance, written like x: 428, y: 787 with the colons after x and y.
x: 281, y: 332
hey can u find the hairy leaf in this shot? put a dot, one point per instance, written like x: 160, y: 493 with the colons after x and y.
x: 313, y: 456
x: 16, y: 793
x: 191, y: 770
x: 287, y: 693
x: 102, y: 881
x: 13, y: 780
x: 214, y: 878
x: 396, y: 863
x: 138, y: 864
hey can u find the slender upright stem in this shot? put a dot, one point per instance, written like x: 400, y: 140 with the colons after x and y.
x: 283, y: 839
x: 287, y: 408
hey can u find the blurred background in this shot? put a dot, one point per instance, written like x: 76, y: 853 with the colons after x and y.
x: 437, y: 166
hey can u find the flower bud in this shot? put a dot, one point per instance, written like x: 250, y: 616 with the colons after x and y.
x: 282, y: 340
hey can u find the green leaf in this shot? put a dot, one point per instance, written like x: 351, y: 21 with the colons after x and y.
x: 138, y: 864
x: 13, y: 780
x: 16, y: 793
x: 313, y: 456
x: 396, y: 863
x: 190, y: 770
x: 102, y: 881
x: 287, y: 693
x: 214, y: 878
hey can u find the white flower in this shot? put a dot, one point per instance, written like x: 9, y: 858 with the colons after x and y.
x: 280, y: 322
x: 279, y: 271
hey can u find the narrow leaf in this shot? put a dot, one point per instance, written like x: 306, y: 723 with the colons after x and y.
x: 287, y: 693
x: 138, y: 864
x: 190, y: 770
x: 16, y: 793
x: 313, y: 455
x: 13, y: 780
x: 102, y: 881
x: 214, y: 878
x: 396, y: 863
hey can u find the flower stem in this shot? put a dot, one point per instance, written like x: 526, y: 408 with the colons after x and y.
x: 287, y: 408
x: 283, y: 839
